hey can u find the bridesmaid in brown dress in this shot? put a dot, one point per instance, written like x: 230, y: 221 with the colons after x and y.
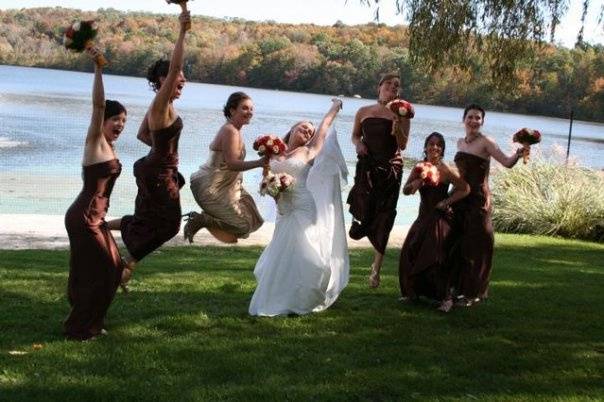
x: 423, y: 265
x: 379, y: 170
x: 157, y: 211
x: 228, y: 210
x: 474, y: 248
x: 95, y: 265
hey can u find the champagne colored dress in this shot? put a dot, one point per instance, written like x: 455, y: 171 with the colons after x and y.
x: 157, y: 210
x: 95, y: 265
x: 225, y: 203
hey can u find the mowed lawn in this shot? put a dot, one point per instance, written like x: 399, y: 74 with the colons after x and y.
x: 183, y: 333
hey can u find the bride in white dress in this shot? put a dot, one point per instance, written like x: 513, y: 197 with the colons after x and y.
x: 305, y: 266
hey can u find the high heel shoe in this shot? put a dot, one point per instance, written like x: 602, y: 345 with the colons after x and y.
x: 374, y: 278
x: 188, y: 231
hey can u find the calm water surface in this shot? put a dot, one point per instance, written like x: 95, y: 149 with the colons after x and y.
x: 44, y: 115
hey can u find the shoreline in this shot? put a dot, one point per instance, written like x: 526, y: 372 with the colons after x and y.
x: 47, y: 232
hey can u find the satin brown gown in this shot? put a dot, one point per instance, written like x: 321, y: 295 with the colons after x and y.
x: 474, y: 228
x: 424, y: 262
x: 225, y: 204
x: 95, y: 265
x: 377, y: 184
x: 157, y: 210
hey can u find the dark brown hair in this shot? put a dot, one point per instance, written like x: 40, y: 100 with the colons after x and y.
x: 234, y: 100
x: 158, y: 69
x: 113, y: 108
x: 441, y: 140
x: 473, y: 106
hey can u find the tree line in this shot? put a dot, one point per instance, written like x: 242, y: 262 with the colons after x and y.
x: 339, y: 59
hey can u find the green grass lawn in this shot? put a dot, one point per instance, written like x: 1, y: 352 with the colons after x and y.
x: 183, y: 333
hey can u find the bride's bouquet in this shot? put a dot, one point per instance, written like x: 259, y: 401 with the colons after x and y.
x: 527, y: 136
x: 428, y: 173
x: 79, y: 35
x: 275, y: 183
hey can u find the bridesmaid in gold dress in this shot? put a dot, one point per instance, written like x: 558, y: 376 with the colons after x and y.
x: 228, y: 211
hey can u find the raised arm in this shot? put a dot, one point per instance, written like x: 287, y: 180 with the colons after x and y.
x: 231, y: 149
x: 159, y: 107
x: 497, y: 154
x: 95, y: 130
x: 319, y: 138
x: 460, y: 187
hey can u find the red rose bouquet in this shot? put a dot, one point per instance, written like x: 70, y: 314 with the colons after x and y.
x: 428, y: 173
x: 275, y: 183
x: 269, y: 145
x: 401, y: 108
x: 79, y: 35
x: 183, y: 6
x: 527, y: 136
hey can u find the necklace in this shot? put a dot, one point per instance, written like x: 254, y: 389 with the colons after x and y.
x: 382, y: 102
x: 474, y: 138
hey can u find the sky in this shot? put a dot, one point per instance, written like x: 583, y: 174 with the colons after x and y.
x: 322, y: 12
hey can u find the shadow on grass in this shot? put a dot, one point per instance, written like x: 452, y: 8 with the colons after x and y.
x: 184, y: 333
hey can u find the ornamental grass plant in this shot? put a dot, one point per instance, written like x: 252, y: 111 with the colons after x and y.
x: 549, y: 197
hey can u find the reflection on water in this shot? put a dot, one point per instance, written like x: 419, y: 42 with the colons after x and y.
x: 44, y: 116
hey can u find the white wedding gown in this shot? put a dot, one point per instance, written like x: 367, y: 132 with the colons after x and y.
x: 305, y: 266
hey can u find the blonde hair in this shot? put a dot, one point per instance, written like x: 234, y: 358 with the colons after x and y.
x: 291, y: 130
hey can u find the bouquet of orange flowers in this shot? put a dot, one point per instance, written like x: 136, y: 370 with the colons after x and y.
x: 275, y: 183
x: 428, y: 173
x: 79, y: 35
x: 527, y: 136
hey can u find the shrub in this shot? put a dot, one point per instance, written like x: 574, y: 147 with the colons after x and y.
x: 549, y: 198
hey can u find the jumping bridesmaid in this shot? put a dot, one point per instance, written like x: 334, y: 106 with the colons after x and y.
x: 157, y: 211
x: 95, y: 265
x: 379, y: 171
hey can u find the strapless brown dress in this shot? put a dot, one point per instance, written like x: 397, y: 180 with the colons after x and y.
x: 157, y: 210
x: 377, y: 184
x: 95, y: 266
x: 474, y: 228
x: 424, y: 262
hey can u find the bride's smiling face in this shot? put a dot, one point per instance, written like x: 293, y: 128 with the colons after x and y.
x: 301, y: 134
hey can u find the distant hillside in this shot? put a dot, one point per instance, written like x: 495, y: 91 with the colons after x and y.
x: 334, y: 60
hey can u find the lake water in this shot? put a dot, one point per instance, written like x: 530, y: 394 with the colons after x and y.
x: 44, y: 115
